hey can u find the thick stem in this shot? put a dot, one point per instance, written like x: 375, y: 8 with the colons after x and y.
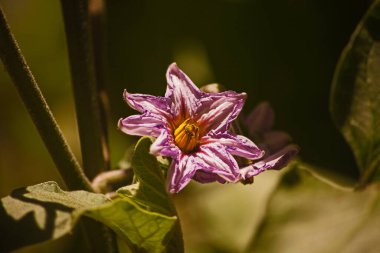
x: 79, y: 41
x: 39, y: 111
x: 91, y: 121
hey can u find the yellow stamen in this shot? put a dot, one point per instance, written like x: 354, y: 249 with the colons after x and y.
x: 186, y: 136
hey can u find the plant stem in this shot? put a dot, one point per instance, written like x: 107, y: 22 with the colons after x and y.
x: 39, y: 111
x: 79, y: 41
x: 97, y: 14
x: 90, y: 114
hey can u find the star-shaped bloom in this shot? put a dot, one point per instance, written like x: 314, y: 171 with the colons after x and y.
x: 192, y: 127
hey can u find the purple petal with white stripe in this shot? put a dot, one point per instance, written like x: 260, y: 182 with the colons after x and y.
x: 211, y: 163
x: 273, y: 162
x: 164, y: 145
x: 180, y: 173
x: 148, y: 103
x: 236, y: 145
x: 219, y: 110
x: 183, y: 94
x: 214, y: 158
x: 142, y: 125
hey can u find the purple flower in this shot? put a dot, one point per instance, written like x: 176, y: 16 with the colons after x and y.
x: 276, y: 144
x: 192, y: 127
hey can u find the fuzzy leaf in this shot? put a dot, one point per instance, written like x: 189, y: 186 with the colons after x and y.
x: 141, y: 229
x: 128, y: 190
x: 41, y: 212
x: 307, y: 215
x: 355, y: 98
x: 45, y: 212
x: 151, y: 192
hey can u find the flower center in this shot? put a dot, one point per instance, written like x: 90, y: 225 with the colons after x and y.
x: 186, y: 136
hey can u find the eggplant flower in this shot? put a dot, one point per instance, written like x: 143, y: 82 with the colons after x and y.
x: 191, y: 127
x: 276, y: 144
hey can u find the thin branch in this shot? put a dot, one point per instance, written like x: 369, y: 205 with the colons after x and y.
x: 79, y: 41
x: 97, y: 15
x: 38, y: 109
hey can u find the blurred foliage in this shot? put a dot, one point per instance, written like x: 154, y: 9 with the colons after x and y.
x: 212, y: 213
x: 23, y: 158
x: 318, y: 218
x: 355, y: 98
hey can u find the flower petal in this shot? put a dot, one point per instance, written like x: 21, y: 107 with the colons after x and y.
x: 273, y: 141
x: 183, y: 94
x: 181, y: 172
x: 207, y: 177
x: 236, y: 145
x: 273, y: 162
x: 142, y: 125
x: 261, y: 119
x: 217, y: 111
x: 164, y: 145
x: 148, y: 103
x: 211, y: 163
x: 215, y: 159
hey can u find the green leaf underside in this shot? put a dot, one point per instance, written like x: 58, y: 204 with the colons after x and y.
x: 355, y: 98
x: 41, y: 212
x: 44, y: 212
x: 306, y: 215
x: 147, y: 230
x: 151, y: 192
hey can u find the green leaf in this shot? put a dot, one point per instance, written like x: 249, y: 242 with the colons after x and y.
x: 355, y: 98
x: 307, y: 215
x: 141, y: 229
x: 41, y: 212
x: 151, y: 192
x: 128, y: 190
x: 45, y: 212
